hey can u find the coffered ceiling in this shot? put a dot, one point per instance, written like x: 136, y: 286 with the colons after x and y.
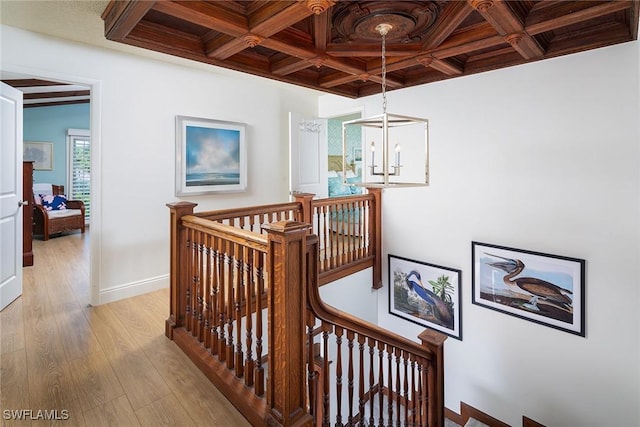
x: 332, y: 46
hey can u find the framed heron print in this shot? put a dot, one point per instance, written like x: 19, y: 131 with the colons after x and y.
x: 211, y: 156
x: 426, y: 294
x: 542, y: 288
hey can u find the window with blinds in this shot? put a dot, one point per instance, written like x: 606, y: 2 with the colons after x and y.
x: 79, y: 161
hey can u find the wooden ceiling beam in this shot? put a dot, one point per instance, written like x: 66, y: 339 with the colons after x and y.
x: 446, y: 67
x: 567, y: 13
x: 286, y: 45
x: 59, y: 94
x: 452, y: 16
x: 206, y: 14
x: 321, y: 32
x: 268, y: 19
x: 56, y: 103
x: 120, y: 17
x: 288, y: 65
x: 31, y: 82
x: 368, y: 50
x: 337, y: 79
x: 506, y: 23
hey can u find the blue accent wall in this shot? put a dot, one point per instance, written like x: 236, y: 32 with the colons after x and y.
x: 50, y: 124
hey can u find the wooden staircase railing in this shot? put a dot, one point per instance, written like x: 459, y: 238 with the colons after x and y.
x: 236, y: 292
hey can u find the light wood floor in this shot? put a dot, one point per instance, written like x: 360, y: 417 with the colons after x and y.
x: 109, y: 365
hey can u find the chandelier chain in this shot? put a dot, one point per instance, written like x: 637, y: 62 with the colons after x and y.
x: 384, y: 73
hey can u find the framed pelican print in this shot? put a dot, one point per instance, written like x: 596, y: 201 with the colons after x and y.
x: 542, y: 288
x: 426, y: 294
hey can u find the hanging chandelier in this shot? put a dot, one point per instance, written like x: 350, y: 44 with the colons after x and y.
x: 387, y: 139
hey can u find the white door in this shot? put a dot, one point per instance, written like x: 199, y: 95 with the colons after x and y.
x: 10, y: 195
x: 308, y: 158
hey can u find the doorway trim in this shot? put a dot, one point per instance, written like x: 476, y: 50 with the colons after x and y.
x: 95, y: 100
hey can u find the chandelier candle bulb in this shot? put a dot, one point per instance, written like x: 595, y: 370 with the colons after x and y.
x: 397, y: 149
x: 373, y: 153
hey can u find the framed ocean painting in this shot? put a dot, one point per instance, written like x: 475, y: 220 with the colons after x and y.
x: 211, y: 156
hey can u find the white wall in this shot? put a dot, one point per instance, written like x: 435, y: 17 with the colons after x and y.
x: 134, y: 139
x: 544, y: 157
x: 354, y: 295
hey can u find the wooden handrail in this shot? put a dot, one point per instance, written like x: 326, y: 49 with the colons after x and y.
x: 345, y: 320
x: 429, y: 411
x: 232, y: 234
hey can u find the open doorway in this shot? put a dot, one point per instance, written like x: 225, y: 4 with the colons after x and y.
x: 57, y: 115
x: 336, y: 161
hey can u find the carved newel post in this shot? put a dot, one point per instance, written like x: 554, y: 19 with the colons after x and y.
x: 286, y: 385
x: 178, y: 256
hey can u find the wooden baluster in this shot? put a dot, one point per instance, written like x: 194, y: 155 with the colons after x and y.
x: 342, y: 233
x: 250, y: 286
x: 197, y: 332
x: 206, y: 278
x: 361, y: 234
x: 414, y: 415
x: 326, y: 244
x: 422, y: 393
x: 406, y: 386
x: 191, y: 307
x: 311, y: 373
x: 231, y: 286
x: 398, y: 389
x: 372, y: 345
x: 350, y: 336
x: 381, y: 346
x: 390, y: 351
x: 189, y: 268
x: 193, y: 291
x: 338, y: 332
x: 258, y: 259
x: 352, y: 235
x: 239, y: 283
x: 330, y: 237
x: 215, y: 289
x: 222, y: 300
x: 326, y: 329
x: 361, y: 341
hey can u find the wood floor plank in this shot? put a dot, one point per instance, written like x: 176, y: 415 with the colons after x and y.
x: 11, y: 328
x: 139, y: 379
x: 95, y: 380
x: 14, y: 384
x: 195, y: 392
x: 116, y: 413
x: 50, y: 385
x: 143, y: 326
x: 82, y: 342
x: 165, y: 412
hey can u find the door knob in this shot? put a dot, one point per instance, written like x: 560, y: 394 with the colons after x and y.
x: 23, y: 203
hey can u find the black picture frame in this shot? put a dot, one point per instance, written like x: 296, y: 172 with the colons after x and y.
x: 542, y: 288
x: 426, y: 294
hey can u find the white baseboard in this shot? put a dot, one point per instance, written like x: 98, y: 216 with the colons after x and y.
x: 133, y: 289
